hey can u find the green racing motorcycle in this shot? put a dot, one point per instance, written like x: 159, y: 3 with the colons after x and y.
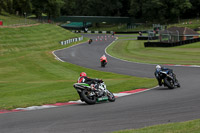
x: 91, y: 95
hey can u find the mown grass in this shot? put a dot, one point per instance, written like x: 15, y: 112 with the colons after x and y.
x: 181, y: 127
x: 12, y: 20
x: 134, y: 50
x: 30, y: 74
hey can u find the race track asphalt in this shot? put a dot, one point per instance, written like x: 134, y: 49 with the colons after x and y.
x: 156, y: 106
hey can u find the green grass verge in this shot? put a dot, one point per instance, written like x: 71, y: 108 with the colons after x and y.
x: 134, y: 50
x: 31, y: 76
x: 181, y: 127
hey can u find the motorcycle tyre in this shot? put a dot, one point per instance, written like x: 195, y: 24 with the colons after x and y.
x: 111, y: 99
x: 178, y: 85
x: 102, y: 64
x: 168, y: 84
x: 86, y: 99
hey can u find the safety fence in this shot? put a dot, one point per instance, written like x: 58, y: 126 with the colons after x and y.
x: 108, y: 32
x: 65, y: 42
x: 170, y: 44
x: 97, y: 32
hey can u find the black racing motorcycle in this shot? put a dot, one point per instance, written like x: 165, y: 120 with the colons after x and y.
x: 168, y: 79
x: 91, y: 95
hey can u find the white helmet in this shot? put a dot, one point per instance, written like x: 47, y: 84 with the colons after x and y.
x: 104, y: 55
x: 158, y: 67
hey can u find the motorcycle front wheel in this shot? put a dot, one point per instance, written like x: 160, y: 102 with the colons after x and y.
x: 111, y: 97
x: 169, y: 82
x: 87, y: 98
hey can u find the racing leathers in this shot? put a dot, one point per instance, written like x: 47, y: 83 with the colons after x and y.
x: 103, y: 58
x: 159, y: 79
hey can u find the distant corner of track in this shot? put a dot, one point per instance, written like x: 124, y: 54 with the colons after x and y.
x: 57, y: 58
x: 116, y: 38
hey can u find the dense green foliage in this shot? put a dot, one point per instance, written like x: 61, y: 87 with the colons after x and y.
x: 161, y: 11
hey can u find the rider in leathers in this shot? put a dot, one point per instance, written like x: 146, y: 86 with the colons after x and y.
x: 94, y: 83
x: 157, y: 71
x: 103, y: 58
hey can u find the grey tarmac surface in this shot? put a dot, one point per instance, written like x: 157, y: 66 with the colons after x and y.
x: 157, y: 106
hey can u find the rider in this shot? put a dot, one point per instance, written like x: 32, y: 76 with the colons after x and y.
x: 157, y: 71
x: 103, y: 58
x: 92, y: 82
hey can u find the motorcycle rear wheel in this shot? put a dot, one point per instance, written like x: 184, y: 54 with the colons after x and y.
x: 103, y: 64
x: 88, y: 99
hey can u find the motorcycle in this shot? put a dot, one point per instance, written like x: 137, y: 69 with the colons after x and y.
x: 90, y: 41
x: 103, y: 63
x: 90, y: 95
x: 168, y: 79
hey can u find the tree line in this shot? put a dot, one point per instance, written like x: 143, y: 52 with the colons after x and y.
x: 149, y: 10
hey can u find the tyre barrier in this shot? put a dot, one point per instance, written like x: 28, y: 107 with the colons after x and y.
x: 71, y: 40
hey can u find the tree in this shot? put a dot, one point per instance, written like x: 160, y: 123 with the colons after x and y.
x: 160, y: 11
x: 193, y: 11
x: 52, y: 8
x: 180, y: 6
x: 69, y: 7
x: 93, y: 7
x: 136, y: 8
x: 38, y: 7
x: 2, y: 5
x: 22, y: 6
x: 125, y: 8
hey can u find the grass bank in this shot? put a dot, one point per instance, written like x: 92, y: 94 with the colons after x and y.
x: 134, y: 50
x: 12, y: 20
x: 181, y: 127
x: 31, y: 76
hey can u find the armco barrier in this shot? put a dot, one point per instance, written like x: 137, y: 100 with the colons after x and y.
x: 170, y: 44
x: 71, y: 40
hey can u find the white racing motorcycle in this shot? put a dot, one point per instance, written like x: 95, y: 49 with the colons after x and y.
x: 90, y: 95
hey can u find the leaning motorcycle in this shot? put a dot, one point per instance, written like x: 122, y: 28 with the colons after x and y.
x: 168, y: 79
x: 90, y: 95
